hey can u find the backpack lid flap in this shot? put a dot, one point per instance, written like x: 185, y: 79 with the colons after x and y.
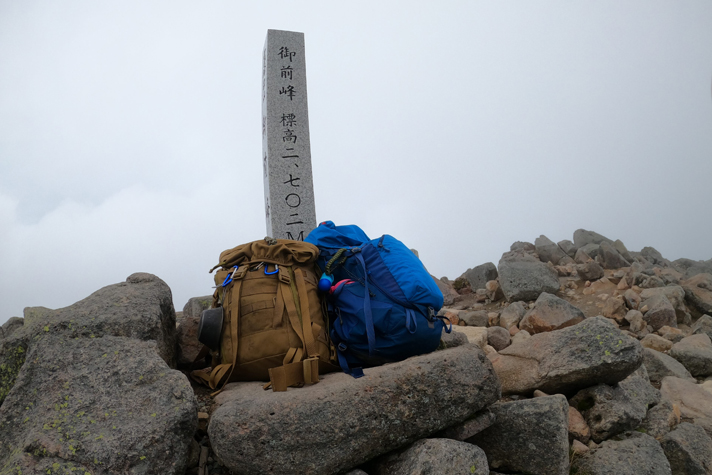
x: 285, y: 252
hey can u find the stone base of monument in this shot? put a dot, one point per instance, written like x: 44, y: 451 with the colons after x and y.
x: 342, y: 422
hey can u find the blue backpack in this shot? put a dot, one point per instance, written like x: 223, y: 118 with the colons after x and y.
x: 382, y: 302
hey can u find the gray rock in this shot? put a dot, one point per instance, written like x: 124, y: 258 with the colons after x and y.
x: 388, y: 408
x: 568, y: 247
x: 498, y: 338
x: 474, y: 318
x: 448, y: 291
x: 583, y: 237
x: 465, y: 430
x: 432, y: 457
x: 691, y: 268
x: 140, y: 308
x: 610, y: 258
x: 675, y: 294
x: 660, y: 365
x: 512, y: 315
x: 694, y: 401
x: 591, y: 250
x: 652, y: 255
x: 688, y: 448
x: 592, y: 352
x: 550, y: 313
x: 622, y: 250
x: 695, y: 354
x: 660, y: 312
x: 522, y: 246
x: 636, y: 321
x: 637, y: 454
x: 453, y: 339
x: 548, y: 250
x: 703, y: 325
x: 9, y: 327
x: 650, y: 282
x: 108, y: 404
x: 187, y: 331
x: 632, y: 299
x: 480, y: 275
x: 611, y: 410
x: 660, y: 420
x: 530, y: 436
x: 589, y: 271
x: 523, y: 277
x: 581, y: 257
x: 698, y: 292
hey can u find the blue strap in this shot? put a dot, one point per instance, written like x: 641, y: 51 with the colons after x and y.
x: 370, y: 332
x: 410, y: 321
x: 355, y: 372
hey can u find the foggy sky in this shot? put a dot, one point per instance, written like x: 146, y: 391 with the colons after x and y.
x: 130, y: 133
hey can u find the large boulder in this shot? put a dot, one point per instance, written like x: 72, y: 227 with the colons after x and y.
x: 583, y: 237
x: 703, y: 325
x: 660, y: 312
x: 698, y: 292
x: 675, y: 295
x: 695, y: 354
x: 592, y: 352
x: 590, y: 271
x: 610, y: 258
x: 550, y: 313
x: 691, y: 268
x: 524, y: 277
x: 635, y: 454
x: 432, y: 457
x: 187, y: 332
x: 342, y: 422
x: 529, y: 436
x: 549, y: 251
x: 480, y: 275
x: 97, y: 405
x: 448, y: 291
x: 653, y: 255
x: 140, y: 308
x: 688, y: 448
x: 611, y: 410
x: 512, y: 315
x: 660, y: 419
x: 694, y: 401
x: 660, y: 365
x: 9, y: 327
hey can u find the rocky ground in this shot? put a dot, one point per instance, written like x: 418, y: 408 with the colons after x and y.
x: 574, y: 357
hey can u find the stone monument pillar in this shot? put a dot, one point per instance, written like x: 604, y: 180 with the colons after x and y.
x: 286, y: 152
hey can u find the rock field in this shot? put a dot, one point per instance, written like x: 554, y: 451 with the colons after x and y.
x: 578, y: 357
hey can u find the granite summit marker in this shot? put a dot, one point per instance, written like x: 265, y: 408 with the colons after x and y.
x: 286, y: 160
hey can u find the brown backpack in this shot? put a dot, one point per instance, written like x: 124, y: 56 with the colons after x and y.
x: 274, y: 325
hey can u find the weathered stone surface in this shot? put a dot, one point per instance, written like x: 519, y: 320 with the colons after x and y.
x: 448, y: 291
x: 636, y: 321
x: 688, y: 448
x: 632, y: 299
x: 524, y: 277
x: 656, y: 342
x: 703, y: 325
x: 453, y: 339
x: 583, y: 237
x: 622, y: 250
x: 675, y: 295
x: 465, y: 430
x: 480, y: 275
x: 432, y: 457
x: 530, y: 436
x: 698, y: 292
x: 610, y: 258
x: 695, y: 354
x: 512, y: 315
x: 522, y: 246
x: 636, y: 454
x: 498, y: 338
x: 694, y: 401
x: 612, y: 410
x: 351, y: 416
x: 660, y: 365
x: 474, y: 318
x: 578, y: 429
x: 660, y: 312
x: 691, y: 268
x: 140, y: 308
x: 592, y: 352
x: 475, y: 335
x: 187, y: 332
x: 568, y: 247
x: 652, y: 255
x: 660, y: 419
x: 548, y: 250
x: 589, y: 271
x: 615, y: 308
x: 98, y: 405
x: 582, y: 258
x: 550, y: 313
x: 9, y: 327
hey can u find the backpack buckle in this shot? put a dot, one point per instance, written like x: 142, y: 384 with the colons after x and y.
x: 284, y: 276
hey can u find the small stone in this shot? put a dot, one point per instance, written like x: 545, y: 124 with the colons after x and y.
x: 655, y: 342
x: 538, y: 393
x: 578, y: 448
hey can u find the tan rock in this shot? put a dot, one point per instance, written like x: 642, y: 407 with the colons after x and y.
x: 578, y: 429
x: 578, y: 448
x: 692, y: 399
x: 476, y: 335
x: 493, y: 319
x: 615, y: 308
x: 521, y: 335
x: 655, y: 342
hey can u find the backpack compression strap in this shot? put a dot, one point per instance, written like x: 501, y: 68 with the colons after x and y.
x: 296, y: 370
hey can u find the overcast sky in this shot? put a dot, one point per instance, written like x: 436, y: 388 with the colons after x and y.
x: 130, y: 133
